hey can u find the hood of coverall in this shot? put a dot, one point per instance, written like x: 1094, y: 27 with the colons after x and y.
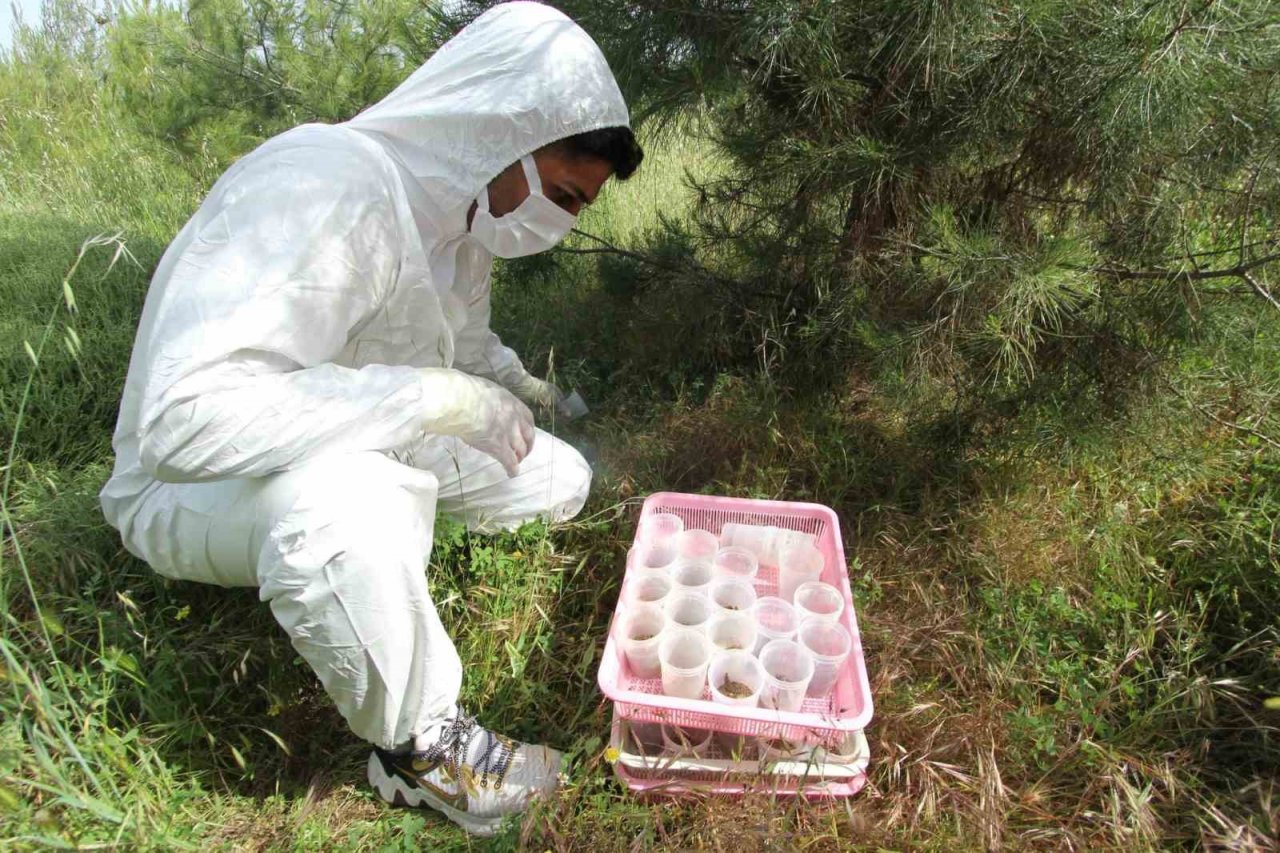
x: 520, y: 76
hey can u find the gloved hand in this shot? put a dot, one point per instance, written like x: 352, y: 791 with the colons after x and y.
x: 537, y: 392
x: 484, y: 415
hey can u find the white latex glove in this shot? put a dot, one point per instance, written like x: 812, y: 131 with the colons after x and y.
x: 537, y: 392
x: 481, y: 413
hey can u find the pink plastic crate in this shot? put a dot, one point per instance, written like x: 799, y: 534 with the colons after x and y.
x: 847, y: 709
x: 673, y: 785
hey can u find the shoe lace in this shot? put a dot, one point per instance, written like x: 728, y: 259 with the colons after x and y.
x: 454, y: 742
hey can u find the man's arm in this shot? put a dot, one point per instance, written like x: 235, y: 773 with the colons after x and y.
x: 241, y: 381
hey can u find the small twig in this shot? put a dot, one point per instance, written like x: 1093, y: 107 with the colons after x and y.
x: 1260, y: 290
x: 1238, y: 271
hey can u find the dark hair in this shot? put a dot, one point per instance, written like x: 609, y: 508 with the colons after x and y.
x: 617, y: 146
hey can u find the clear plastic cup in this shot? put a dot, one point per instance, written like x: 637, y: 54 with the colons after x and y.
x: 645, y: 586
x: 682, y: 740
x: 733, y: 595
x: 691, y: 576
x: 780, y: 749
x: 775, y: 620
x: 736, y: 562
x: 659, y: 555
x: 660, y: 526
x: 700, y: 545
x: 765, y: 541
x: 646, y: 738
x: 684, y: 655
x: 731, y: 631
x: 737, y: 747
x: 788, y: 668
x: 829, y: 644
x: 818, y: 600
x: 750, y: 537
x: 735, y: 678
x: 798, y: 564
x: 642, y: 627
x: 689, y: 610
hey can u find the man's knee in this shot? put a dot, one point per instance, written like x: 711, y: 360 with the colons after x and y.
x: 364, y: 513
x: 570, y: 482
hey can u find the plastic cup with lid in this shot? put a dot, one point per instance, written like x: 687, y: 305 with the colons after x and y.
x: 641, y: 632
x: 788, y: 668
x: 735, y: 678
x: 736, y: 562
x: 732, y: 631
x: 829, y: 644
x: 684, y: 655
x: 775, y: 620
x: 818, y: 600
x: 798, y: 564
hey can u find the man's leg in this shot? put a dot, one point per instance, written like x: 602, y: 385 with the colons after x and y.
x: 552, y: 483
x: 338, y: 548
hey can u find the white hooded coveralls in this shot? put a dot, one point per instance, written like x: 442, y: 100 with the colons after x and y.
x: 271, y: 430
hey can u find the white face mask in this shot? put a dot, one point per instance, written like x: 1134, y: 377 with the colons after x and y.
x: 536, y: 225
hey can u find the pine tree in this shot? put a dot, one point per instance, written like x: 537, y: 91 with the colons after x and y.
x: 1015, y: 192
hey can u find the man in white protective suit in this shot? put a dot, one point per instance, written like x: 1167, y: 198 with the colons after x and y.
x: 314, y: 376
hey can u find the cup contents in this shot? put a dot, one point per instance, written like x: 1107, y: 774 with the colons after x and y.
x: 733, y: 595
x: 641, y: 629
x: 732, y: 631
x: 736, y: 678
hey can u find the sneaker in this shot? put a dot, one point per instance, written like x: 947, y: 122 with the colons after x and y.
x: 475, y: 777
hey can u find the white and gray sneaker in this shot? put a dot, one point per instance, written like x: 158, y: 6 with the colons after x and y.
x: 475, y: 777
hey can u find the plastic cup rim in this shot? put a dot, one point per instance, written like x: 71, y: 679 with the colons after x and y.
x: 672, y: 635
x: 815, y: 623
x: 825, y: 589
x: 782, y: 681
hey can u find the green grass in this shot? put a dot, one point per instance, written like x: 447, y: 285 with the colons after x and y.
x: 1070, y: 618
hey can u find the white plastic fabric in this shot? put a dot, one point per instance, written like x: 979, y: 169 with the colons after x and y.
x: 276, y: 428
x: 536, y: 225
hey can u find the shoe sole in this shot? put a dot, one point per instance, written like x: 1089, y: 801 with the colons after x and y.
x: 397, y: 792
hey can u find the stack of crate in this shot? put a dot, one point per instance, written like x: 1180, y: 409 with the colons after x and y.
x: 666, y: 744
